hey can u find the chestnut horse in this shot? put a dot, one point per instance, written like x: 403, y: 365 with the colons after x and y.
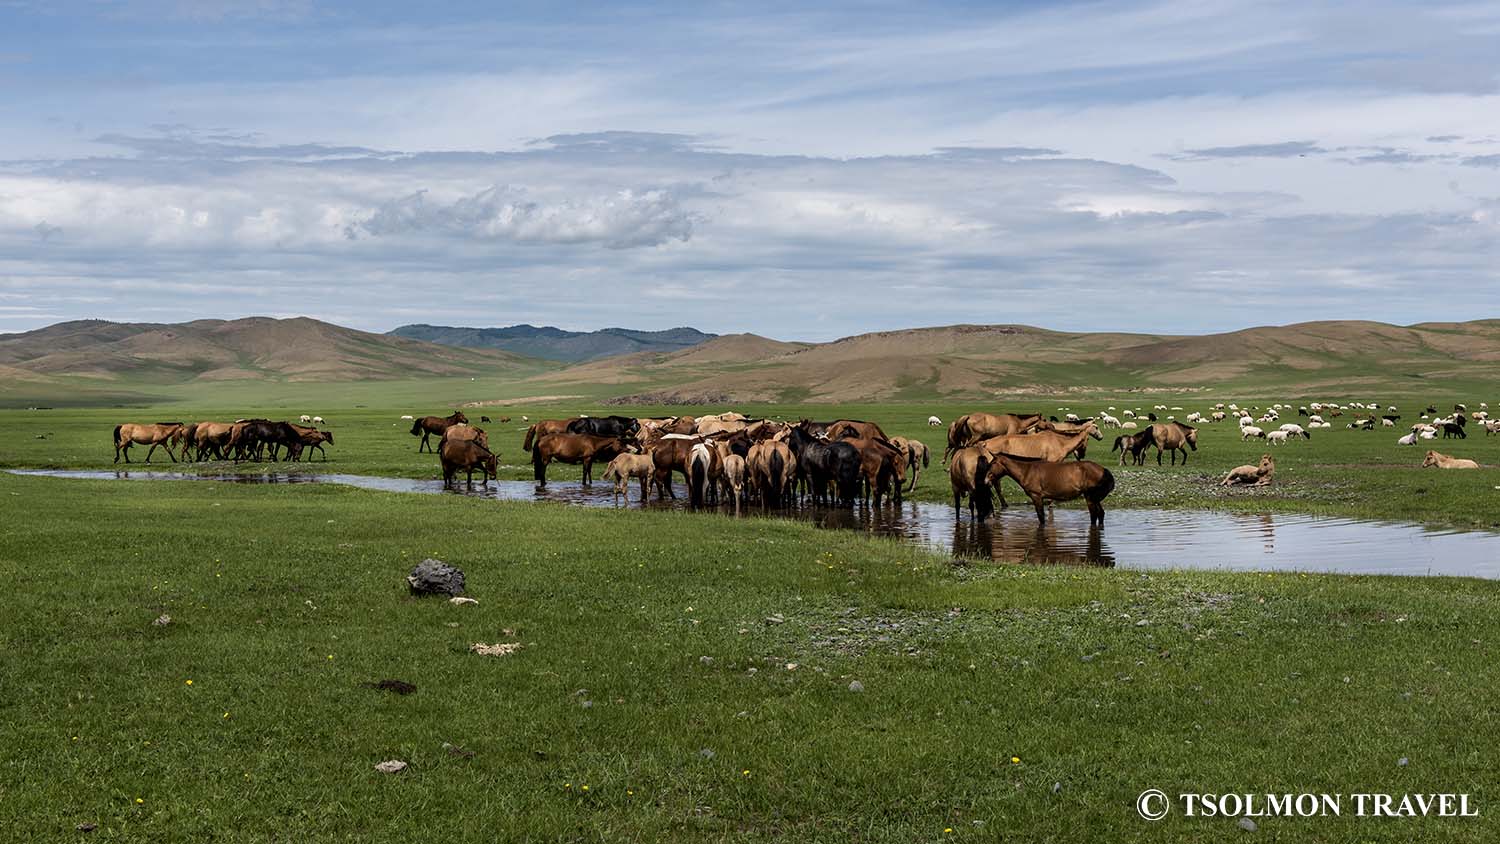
x: 973, y: 427
x: 1043, y: 481
x: 545, y: 427
x: 429, y: 425
x: 466, y: 455
x: 574, y: 449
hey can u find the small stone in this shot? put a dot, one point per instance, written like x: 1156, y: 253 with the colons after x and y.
x: 497, y: 649
x: 1057, y: 788
x: 391, y: 766
x: 705, y: 660
x: 778, y: 618
x: 459, y: 600
x: 162, y: 620
x: 586, y: 704
x: 86, y: 826
x: 1248, y: 825
x: 707, y: 754
x: 1142, y: 623
x: 856, y: 686
x: 1401, y: 763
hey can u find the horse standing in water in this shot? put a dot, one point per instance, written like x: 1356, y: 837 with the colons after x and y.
x: 1043, y: 482
x: 429, y: 425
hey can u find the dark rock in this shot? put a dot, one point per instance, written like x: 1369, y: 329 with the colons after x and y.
x: 435, y: 577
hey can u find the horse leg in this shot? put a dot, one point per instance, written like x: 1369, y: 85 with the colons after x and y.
x: 148, y: 452
x: 167, y: 447
x: 126, y: 449
x: 1041, y: 511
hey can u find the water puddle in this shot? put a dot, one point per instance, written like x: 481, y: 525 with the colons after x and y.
x: 1133, y: 538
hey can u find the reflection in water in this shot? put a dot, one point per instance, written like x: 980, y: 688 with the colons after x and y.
x: 1139, y: 539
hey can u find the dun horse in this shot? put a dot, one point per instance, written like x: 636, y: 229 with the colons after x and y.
x: 1173, y: 437
x: 157, y: 434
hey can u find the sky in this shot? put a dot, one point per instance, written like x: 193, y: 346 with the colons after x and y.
x: 798, y: 170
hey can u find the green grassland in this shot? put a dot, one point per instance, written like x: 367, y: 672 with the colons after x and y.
x: 998, y: 702
x: 1338, y: 472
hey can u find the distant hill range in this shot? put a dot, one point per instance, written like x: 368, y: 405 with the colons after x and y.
x: 261, y: 348
x: 956, y: 362
x: 556, y: 344
x: 1338, y: 358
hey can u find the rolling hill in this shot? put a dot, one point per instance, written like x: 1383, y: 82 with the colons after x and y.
x: 974, y: 361
x: 556, y: 344
x: 257, y: 348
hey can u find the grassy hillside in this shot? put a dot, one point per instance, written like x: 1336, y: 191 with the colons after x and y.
x: 93, y: 361
x: 999, y: 361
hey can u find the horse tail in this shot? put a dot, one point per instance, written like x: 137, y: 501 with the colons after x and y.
x: 416, y: 428
x: 538, y: 467
x: 696, y: 480
x: 1119, y: 441
x: 526, y: 443
x: 1106, y: 485
x: 926, y: 456
x: 117, y: 435
x: 983, y: 507
x: 956, y: 432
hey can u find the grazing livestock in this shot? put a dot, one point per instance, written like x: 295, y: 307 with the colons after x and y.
x: 405, y: 417
x: 1443, y: 461
x: 773, y: 470
x: 304, y: 418
x: 627, y: 466
x: 1134, y: 445
x: 623, y: 427
x: 1409, y: 439
x: 1453, y: 429
x: 973, y: 427
x: 733, y: 472
x: 429, y: 425
x: 153, y: 435
x: 882, y: 465
x: 1043, y: 482
x: 917, y: 457
x: 702, y: 469
x: 1277, y: 437
x: 466, y: 455
x: 1251, y: 475
x: 465, y: 431
x: 1043, y: 445
x: 1174, y: 437
x: 826, y: 464
x: 573, y: 449
x: 318, y: 420
x: 545, y: 427
x: 210, y: 438
x: 934, y: 422
x: 484, y: 419
x: 968, y: 474
x: 1491, y: 428
x: 849, y: 429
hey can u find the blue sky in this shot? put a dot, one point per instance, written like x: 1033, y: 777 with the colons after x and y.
x: 803, y: 171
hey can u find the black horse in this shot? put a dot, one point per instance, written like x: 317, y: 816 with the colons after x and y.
x: 605, y: 426
x: 820, y: 462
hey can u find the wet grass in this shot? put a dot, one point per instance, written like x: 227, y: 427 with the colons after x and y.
x: 998, y: 702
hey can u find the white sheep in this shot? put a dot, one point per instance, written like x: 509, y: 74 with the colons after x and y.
x: 1109, y: 421
x: 317, y: 420
x: 407, y: 417
x: 1246, y: 422
x: 1277, y: 437
x: 1409, y: 439
x: 305, y: 418
x: 1315, y: 418
x: 1249, y: 431
x: 934, y: 421
x: 1128, y: 424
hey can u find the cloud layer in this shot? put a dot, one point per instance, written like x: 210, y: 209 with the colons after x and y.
x: 1178, y: 167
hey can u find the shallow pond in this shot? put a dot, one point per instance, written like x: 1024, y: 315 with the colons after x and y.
x: 1132, y: 538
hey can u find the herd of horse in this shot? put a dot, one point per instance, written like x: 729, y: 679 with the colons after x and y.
x: 242, y: 439
x: 737, y: 460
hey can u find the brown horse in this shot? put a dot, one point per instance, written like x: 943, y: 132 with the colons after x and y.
x: 156, y: 434
x: 1173, y: 437
x: 1252, y: 475
x: 545, y: 427
x: 573, y: 449
x: 968, y: 473
x: 211, y: 438
x: 465, y: 431
x: 426, y: 426
x: 881, y: 465
x: 627, y: 466
x: 772, y: 468
x: 973, y: 427
x: 1044, y: 445
x: 850, y: 429
x: 1134, y: 445
x: 308, y: 438
x: 1043, y: 481
x: 466, y: 455
x: 1443, y: 461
